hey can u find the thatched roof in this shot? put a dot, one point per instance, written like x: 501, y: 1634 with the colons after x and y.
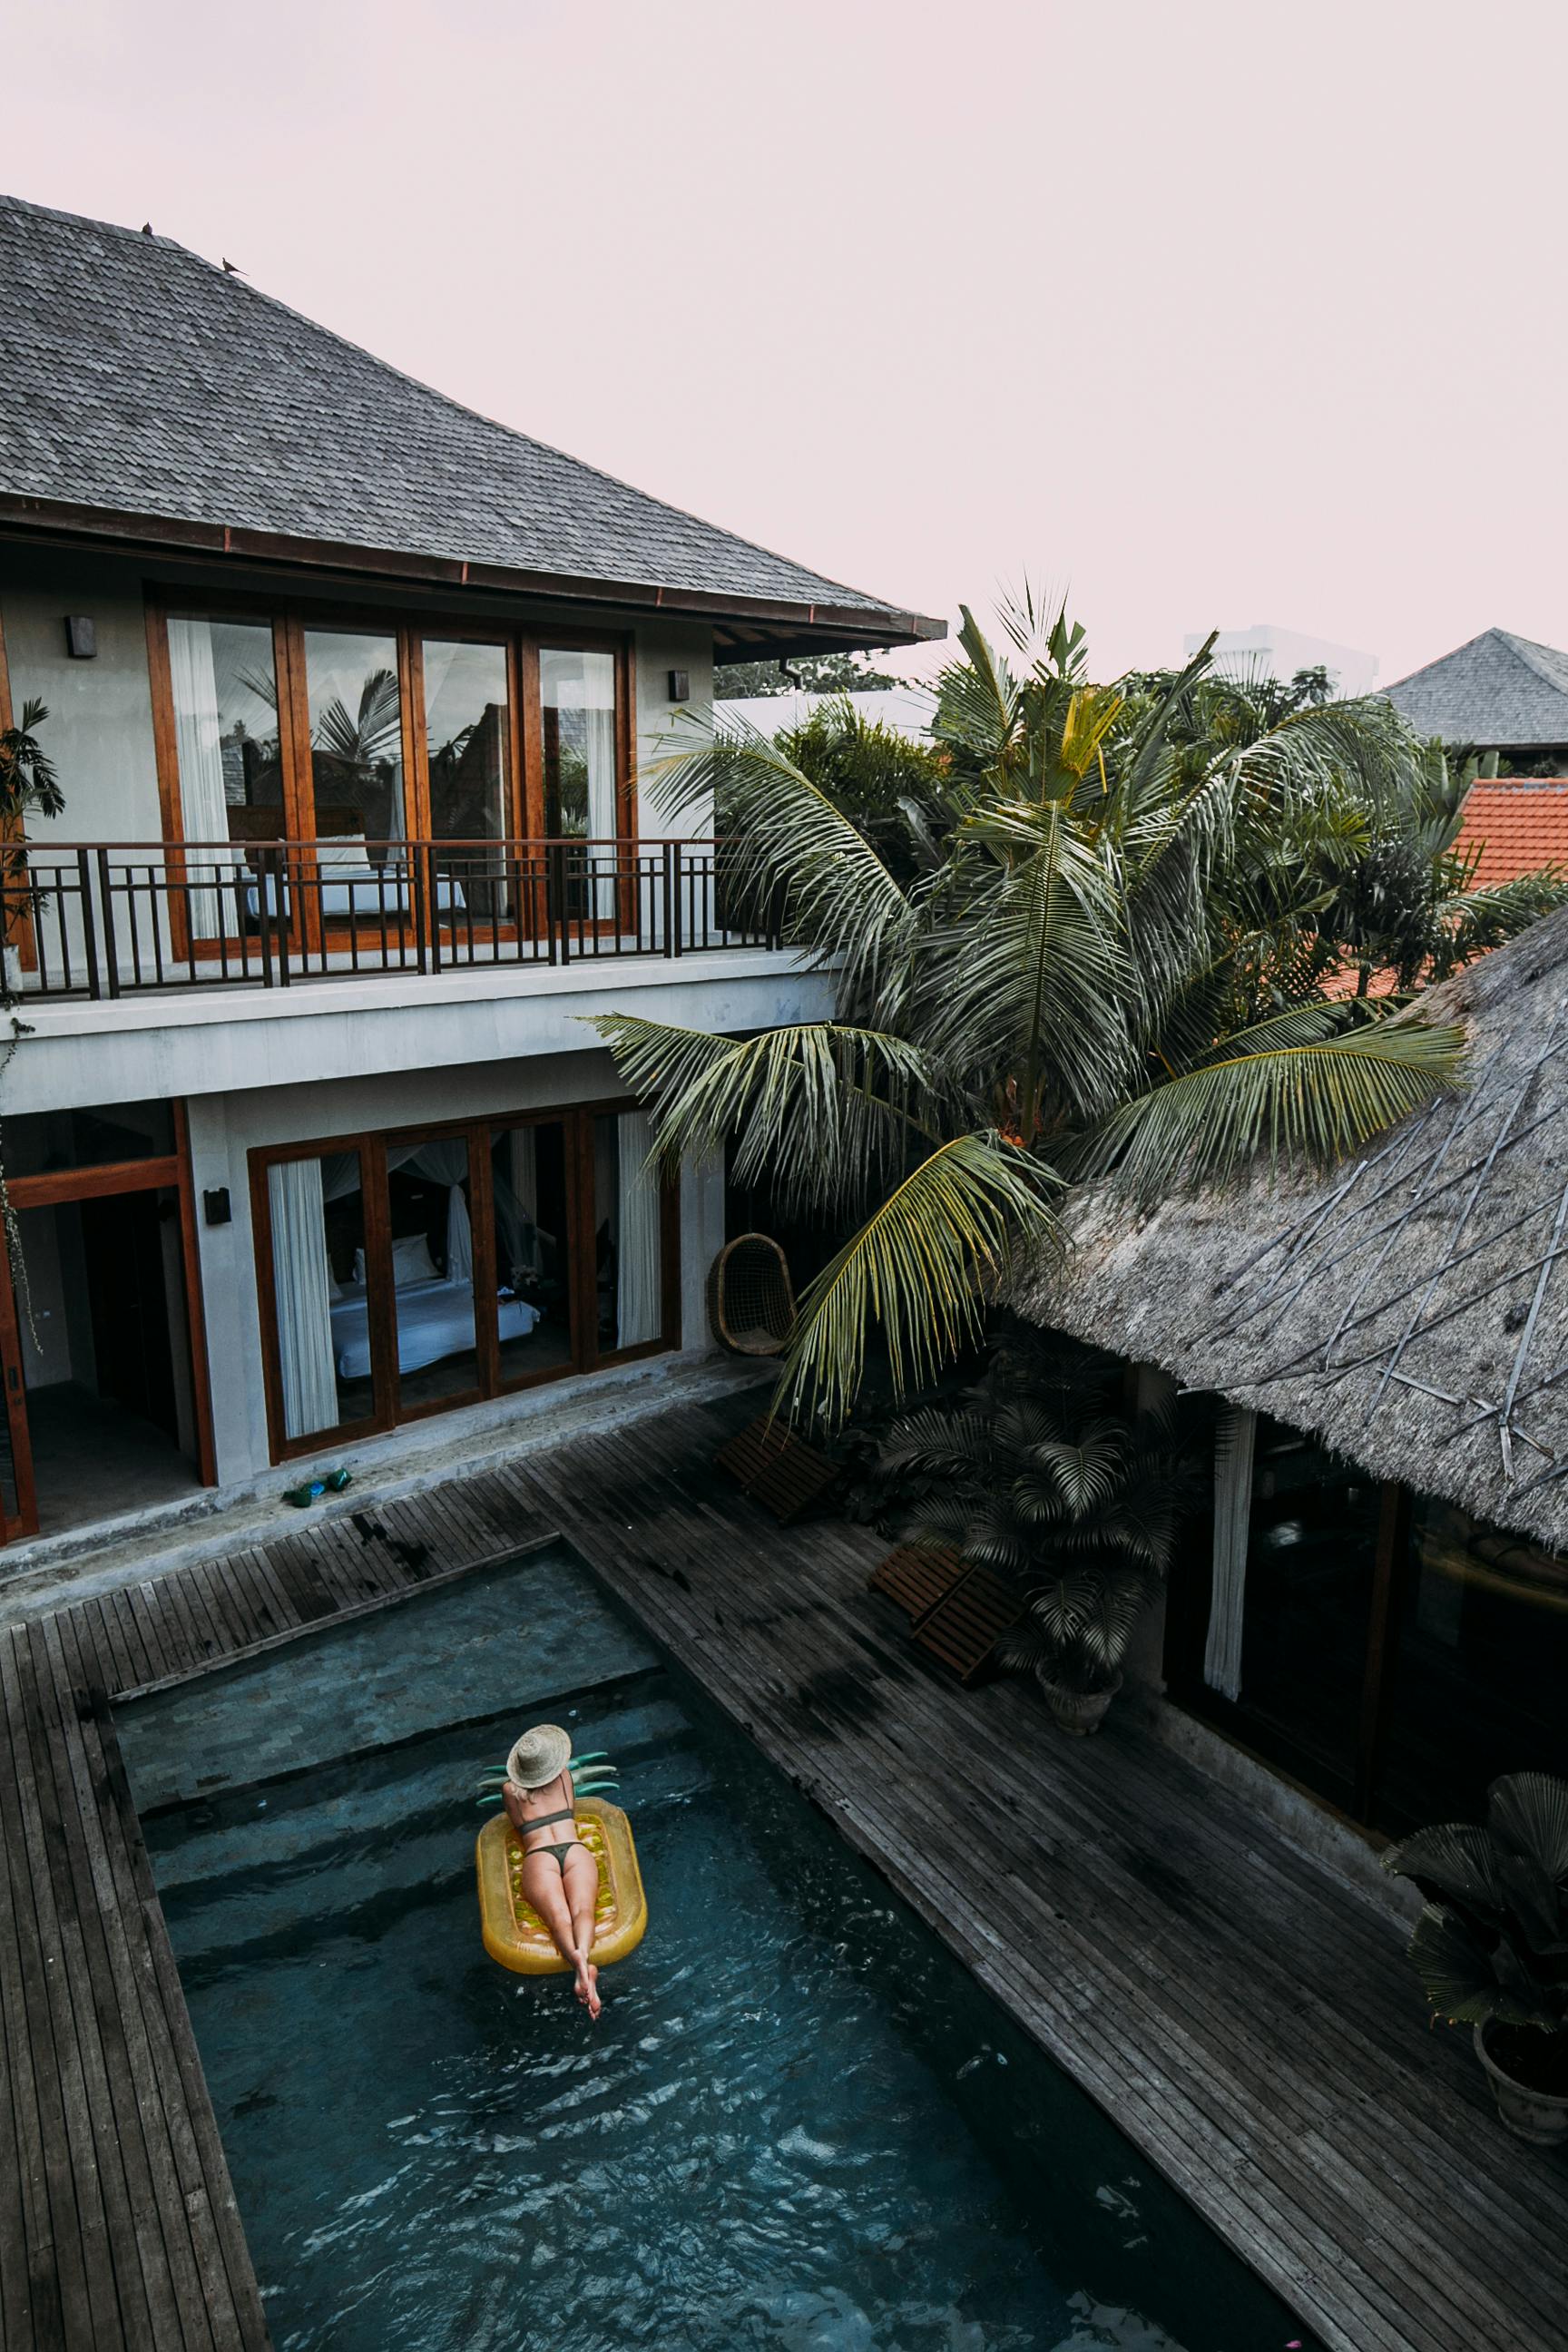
x: 1410, y: 1307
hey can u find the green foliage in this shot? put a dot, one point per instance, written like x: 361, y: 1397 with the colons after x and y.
x: 1036, y: 1473
x: 874, y: 775
x: 807, y: 674
x: 1491, y: 1946
x: 27, y: 778
x: 1101, y: 950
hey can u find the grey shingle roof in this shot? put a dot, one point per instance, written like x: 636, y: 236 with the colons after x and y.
x: 143, y: 379
x: 1497, y: 689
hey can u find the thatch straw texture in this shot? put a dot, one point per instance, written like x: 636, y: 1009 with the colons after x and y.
x: 1410, y: 1307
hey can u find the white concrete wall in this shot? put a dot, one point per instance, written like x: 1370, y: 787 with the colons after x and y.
x: 198, y: 1043
x: 99, y: 728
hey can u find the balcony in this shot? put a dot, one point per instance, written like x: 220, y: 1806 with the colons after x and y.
x: 106, y: 920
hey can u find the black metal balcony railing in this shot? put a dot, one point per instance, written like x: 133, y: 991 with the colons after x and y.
x: 107, y: 919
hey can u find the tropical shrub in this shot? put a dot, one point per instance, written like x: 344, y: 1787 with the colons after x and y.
x: 1491, y: 1946
x: 1036, y: 1473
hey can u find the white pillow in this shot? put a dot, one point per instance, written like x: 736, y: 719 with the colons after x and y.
x: 343, y: 853
x: 410, y: 1262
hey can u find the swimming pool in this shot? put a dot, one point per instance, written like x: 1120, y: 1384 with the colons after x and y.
x: 799, y: 2124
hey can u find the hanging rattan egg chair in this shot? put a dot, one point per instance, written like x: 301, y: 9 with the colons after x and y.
x: 750, y: 1302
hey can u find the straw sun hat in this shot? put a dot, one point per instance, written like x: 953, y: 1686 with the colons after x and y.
x: 540, y: 1755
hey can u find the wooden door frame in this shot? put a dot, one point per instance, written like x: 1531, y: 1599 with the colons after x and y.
x: 168, y: 1171
x: 289, y: 618
x: 480, y: 1132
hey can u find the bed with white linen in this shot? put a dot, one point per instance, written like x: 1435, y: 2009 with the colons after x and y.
x: 345, y: 883
x: 434, y: 1318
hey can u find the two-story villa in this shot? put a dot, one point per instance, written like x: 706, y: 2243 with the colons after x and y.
x: 348, y: 688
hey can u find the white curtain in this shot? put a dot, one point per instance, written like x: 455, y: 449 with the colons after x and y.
x: 603, y: 826
x: 638, y: 1260
x: 198, y: 743
x: 302, y: 1286
x: 1233, y: 1441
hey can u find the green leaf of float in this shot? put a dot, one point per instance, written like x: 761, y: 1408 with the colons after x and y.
x: 917, y: 1269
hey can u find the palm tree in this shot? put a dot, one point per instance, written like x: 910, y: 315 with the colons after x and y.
x: 1107, y: 963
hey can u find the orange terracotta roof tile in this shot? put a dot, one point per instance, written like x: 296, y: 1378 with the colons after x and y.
x: 1520, y: 822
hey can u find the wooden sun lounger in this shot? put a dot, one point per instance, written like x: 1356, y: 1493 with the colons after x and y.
x: 778, y: 1469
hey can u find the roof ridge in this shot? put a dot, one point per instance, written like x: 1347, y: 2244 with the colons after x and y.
x: 240, y: 280
x: 1525, y: 649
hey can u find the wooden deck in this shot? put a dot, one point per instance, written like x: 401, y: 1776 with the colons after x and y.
x: 1251, y: 2026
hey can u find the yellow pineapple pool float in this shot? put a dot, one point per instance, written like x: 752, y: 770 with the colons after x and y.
x: 514, y: 1932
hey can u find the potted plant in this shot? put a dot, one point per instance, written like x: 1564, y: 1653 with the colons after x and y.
x: 1491, y: 1946
x: 1034, y: 1473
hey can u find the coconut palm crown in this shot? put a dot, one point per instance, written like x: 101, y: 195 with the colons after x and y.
x: 1108, y: 962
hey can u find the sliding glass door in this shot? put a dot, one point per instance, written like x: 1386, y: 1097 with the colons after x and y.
x: 408, y: 1273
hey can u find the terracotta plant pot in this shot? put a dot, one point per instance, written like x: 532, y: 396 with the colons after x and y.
x: 1539, y: 2116
x: 1078, y: 1713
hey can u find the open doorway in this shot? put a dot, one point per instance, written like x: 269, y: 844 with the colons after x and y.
x: 99, y: 1333
x: 105, y: 1358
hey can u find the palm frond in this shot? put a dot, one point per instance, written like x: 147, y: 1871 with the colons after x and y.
x: 840, y: 899
x: 824, y: 1111
x: 1298, y: 1103
x: 917, y: 1269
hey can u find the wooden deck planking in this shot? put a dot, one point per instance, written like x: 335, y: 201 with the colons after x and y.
x: 1357, y: 2149
x: 1246, y: 2022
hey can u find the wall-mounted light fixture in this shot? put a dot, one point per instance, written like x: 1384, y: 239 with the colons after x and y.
x: 216, y: 1208
x: 680, y: 686
x: 81, y: 636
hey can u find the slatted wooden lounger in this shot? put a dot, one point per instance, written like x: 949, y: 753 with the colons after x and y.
x: 918, y: 1575
x: 778, y: 1469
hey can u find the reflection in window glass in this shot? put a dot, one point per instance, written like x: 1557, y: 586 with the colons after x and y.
x: 465, y: 742
x: 627, y: 1245
x: 532, y: 1225
x: 432, y: 1270
x: 577, y: 703
x: 356, y: 739
x: 226, y: 742
x: 1311, y: 1549
x: 317, y: 1212
x: 1480, y: 1668
x: 38, y: 1141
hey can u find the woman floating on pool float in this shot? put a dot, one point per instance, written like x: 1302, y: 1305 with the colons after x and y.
x: 560, y: 1876
x: 572, y: 1901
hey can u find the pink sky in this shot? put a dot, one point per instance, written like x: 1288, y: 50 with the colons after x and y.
x: 1210, y: 312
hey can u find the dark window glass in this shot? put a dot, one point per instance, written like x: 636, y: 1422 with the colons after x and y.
x: 432, y: 1270
x: 1480, y: 1668
x: 39, y: 1142
x: 533, y: 1269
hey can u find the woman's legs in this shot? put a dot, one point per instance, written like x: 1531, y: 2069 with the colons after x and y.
x: 547, y: 1890
x: 580, y: 1875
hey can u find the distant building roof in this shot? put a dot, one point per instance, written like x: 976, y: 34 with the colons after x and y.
x: 175, y: 402
x: 1520, y: 823
x: 1497, y: 689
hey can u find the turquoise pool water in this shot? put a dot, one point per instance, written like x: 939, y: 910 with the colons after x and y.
x: 799, y: 2125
